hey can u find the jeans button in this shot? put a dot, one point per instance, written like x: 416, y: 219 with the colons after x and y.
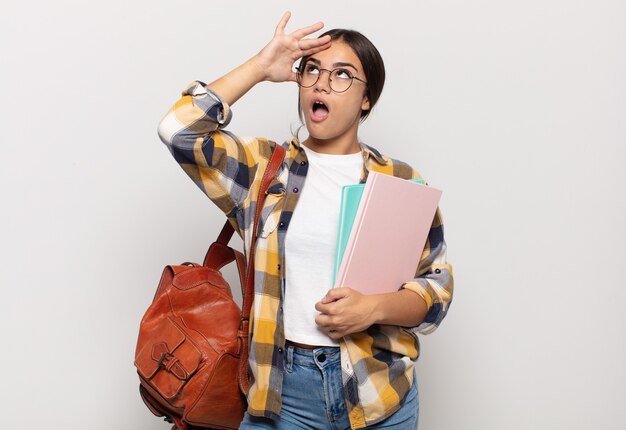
x: 321, y: 358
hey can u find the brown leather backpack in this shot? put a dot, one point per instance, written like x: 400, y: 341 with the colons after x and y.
x: 192, y: 350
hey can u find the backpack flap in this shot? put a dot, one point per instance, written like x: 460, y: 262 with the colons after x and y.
x: 169, y: 360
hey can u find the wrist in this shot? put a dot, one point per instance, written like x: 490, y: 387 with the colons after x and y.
x: 377, y: 313
x: 257, y: 69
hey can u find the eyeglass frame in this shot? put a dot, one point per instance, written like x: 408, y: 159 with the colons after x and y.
x: 300, y: 71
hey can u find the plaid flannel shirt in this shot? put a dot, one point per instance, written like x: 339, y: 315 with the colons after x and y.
x: 378, y: 363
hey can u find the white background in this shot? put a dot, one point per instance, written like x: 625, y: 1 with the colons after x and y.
x: 516, y: 109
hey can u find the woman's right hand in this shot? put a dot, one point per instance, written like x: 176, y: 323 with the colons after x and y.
x: 276, y: 59
x: 274, y: 62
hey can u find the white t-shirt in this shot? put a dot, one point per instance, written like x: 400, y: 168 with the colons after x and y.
x: 311, y: 241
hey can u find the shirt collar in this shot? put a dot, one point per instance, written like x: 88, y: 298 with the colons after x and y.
x: 367, y: 151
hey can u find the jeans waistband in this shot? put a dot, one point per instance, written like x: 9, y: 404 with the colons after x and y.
x: 309, y: 350
x: 321, y: 357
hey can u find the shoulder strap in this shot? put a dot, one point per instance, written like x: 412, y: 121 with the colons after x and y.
x: 270, y: 173
x: 220, y: 254
x: 248, y: 295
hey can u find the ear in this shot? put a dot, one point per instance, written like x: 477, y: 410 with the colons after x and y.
x: 365, y: 105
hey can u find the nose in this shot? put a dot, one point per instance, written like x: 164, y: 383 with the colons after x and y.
x: 323, y: 83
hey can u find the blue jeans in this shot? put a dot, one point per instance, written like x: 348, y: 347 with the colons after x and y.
x: 313, y: 396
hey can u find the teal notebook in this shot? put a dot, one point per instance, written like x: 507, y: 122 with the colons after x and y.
x: 350, y: 199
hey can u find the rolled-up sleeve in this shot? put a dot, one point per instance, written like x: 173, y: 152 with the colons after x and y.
x: 220, y: 163
x: 197, y: 113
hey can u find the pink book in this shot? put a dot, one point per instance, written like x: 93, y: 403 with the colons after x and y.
x: 388, y: 235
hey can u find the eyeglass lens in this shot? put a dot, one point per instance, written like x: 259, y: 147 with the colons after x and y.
x: 339, y: 79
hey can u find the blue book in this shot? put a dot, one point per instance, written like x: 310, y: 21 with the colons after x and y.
x: 350, y: 199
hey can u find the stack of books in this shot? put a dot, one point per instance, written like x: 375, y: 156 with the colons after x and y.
x: 383, y: 228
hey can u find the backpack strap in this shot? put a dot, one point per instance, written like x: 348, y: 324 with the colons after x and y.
x: 220, y: 254
x: 248, y: 297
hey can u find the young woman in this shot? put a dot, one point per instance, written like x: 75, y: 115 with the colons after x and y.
x: 319, y: 357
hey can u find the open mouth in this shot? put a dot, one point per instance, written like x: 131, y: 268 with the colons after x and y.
x: 319, y: 111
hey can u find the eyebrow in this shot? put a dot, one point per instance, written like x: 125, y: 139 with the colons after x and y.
x: 339, y: 64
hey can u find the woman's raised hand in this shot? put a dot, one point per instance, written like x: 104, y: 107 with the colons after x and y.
x: 274, y: 62
x: 276, y: 59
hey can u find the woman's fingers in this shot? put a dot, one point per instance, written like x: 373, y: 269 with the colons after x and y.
x: 303, y: 32
x: 277, y: 57
x: 312, y: 46
x: 333, y: 333
x: 280, y: 28
x: 314, y: 50
x: 305, y: 44
x: 300, y: 33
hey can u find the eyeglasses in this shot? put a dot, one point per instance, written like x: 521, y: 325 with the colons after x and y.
x: 339, y: 80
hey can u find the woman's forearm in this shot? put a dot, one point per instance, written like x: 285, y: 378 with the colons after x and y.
x: 233, y: 85
x: 344, y: 311
x: 403, y: 308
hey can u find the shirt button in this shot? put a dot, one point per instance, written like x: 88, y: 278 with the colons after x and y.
x: 302, y: 163
x: 281, y: 224
x: 437, y: 271
x: 295, y: 190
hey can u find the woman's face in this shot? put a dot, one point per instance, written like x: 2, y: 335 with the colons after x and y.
x: 328, y: 114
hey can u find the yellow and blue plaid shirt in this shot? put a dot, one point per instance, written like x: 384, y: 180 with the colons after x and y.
x: 378, y: 363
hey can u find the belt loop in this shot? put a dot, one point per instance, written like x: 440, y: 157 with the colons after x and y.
x: 288, y: 357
